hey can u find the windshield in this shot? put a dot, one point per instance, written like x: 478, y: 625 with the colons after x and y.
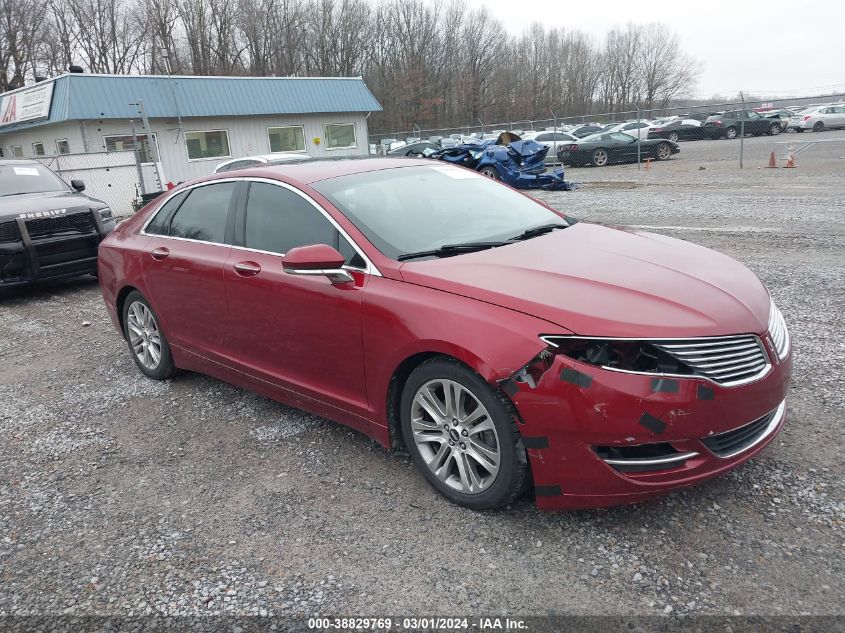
x: 411, y: 209
x: 28, y: 178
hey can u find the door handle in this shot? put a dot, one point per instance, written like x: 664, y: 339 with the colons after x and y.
x: 159, y: 253
x: 247, y: 269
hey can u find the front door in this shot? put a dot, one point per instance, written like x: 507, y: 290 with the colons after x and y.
x: 183, y: 267
x: 298, y: 332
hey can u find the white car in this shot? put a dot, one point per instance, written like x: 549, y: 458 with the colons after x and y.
x: 553, y: 140
x: 818, y: 118
x: 633, y: 128
x: 256, y: 161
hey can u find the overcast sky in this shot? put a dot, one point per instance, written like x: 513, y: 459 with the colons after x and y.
x: 785, y: 47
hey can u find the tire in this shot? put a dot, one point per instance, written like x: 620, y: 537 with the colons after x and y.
x: 600, y: 157
x: 818, y: 127
x: 799, y: 129
x: 663, y: 151
x: 454, y: 449
x: 141, y: 335
x: 673, y: 136
x: 490, y: 172
x: 775, y: 129
x: 731, y: 133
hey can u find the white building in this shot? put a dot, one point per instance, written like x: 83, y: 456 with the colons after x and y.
x: 195, y: 122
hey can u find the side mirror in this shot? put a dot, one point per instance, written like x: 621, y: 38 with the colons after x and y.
x: 316, y: 260
x: 78, y: 185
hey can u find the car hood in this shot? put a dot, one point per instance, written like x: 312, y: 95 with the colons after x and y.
x: 51, y: 203
x: 603, y: 281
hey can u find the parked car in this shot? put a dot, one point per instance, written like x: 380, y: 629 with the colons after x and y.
x: 48, y: 229
x: 587, y: 130
x: 615, y: 147
x: 433, y: 309
x: 730, y: 124
x: 422, y: 149
x: 678, y: 130
x: 781, y: 116
x: 631, y: 127
x: 553, y: 140
x: 255, y: 161
x: 818, y: 118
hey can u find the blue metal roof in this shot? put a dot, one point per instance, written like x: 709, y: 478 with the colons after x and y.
x: 83, y: 96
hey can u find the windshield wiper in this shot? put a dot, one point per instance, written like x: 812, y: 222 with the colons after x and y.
x: 452, y: 249
x: 539, y: 230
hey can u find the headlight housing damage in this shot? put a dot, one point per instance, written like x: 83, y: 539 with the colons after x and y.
x: 640, y: 357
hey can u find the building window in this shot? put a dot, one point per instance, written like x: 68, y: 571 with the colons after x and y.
x: 339, y: 135
x: 62, y: 146
x: 38, y: 149
x: 17, y: 151
x: 123, y: 143
x: 1, y: 153
x: 210, y: 144
x: 286, y: 139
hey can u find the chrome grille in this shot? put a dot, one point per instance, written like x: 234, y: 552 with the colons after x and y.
x: 728, y: 360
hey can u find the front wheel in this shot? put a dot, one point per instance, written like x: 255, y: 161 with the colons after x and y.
x: 775, y: 129
x: 673, y: 136
x: 664, y: 151
x: 818, y: 127
x: 462, y: 435
x: 600, y: 157
x: 731, y: 133
x: 490, y: 172
x: 149, y: 347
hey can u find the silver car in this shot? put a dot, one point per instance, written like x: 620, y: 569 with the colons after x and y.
x: 818, y: 118
x: 553, y: 140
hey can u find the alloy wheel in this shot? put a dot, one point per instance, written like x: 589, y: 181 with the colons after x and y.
x: 673, y: 136
x: 600, y: 158
x: 664, y: 152
x: 144, y: 336
x: 455, y: 436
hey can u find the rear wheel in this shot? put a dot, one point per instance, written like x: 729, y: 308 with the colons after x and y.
x: 490, y: 172
x: 149, y: 347
x: 462, y: 436
x: 600, y: 157
x: 664, y: 151
x: 818, y: 127
x: 774, y: 129
x: 731, y: 133
x: 673, y: 136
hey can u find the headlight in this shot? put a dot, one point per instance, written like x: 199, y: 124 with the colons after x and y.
x: 105, y: 213
x: 621, y: 355
x: 778, y: 331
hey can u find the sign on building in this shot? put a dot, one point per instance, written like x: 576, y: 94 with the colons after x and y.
x: 26, y: 105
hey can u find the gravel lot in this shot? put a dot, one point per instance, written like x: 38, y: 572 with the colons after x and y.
x: 120, y: 495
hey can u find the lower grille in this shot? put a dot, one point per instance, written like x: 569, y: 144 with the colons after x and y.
x: 78, y: 223
x: 734, y: 442
x: 642, y: 458
x: 727, y: 360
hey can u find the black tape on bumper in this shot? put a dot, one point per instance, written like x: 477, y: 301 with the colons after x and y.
x: 535, y: 442
x: 664, y: 385
x: 547, y: 491
x: 576, y: 377
x: 653, y: 424
x: 705, y: 393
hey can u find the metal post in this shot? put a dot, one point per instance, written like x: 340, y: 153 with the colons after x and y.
x: 741, y: 130
x: 138, y: 158
x: 639, y: 134
x: 151, y: 142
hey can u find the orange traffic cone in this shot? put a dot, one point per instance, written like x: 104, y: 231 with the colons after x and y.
x: 772, y: 162
x: 790, y: 162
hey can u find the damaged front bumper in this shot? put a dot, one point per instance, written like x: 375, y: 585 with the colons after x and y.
x: 600, y: 438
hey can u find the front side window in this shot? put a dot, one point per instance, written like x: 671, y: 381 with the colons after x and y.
x: 411, y: 209
x: 278, y: 220
x: 62, y: 146
x: 38, y: 149
x: 204, y: 214
x: 339, y: 135
x: 122, y: 143
x: 160, y: 224
x: 621, y: 137
x: 28, y: 178
x: 286, y: 139
x: 212, y: 144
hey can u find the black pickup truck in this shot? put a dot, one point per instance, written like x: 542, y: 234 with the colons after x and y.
x: 48, y: 229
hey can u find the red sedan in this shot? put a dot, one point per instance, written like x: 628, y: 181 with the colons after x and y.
x: 506, y: 345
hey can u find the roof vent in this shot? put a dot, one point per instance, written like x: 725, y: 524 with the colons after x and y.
x: 75, y: 69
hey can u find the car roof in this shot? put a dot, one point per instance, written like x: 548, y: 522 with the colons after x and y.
x: 19, y: 161
x: 308, y: 171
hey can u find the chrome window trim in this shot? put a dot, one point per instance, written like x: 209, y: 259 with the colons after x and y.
x: 370, y: 268
x: 764, y: 371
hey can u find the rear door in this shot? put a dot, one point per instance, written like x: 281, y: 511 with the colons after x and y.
x: 183, y: 266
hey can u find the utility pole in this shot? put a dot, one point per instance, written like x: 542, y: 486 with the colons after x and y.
x: 742, y: 130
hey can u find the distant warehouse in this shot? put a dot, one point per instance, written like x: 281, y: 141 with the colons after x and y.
x: 195, y: 122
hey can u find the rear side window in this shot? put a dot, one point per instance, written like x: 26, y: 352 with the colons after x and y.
x: 204, y: 214
x: 278, y: 220
x: 161, y: 222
